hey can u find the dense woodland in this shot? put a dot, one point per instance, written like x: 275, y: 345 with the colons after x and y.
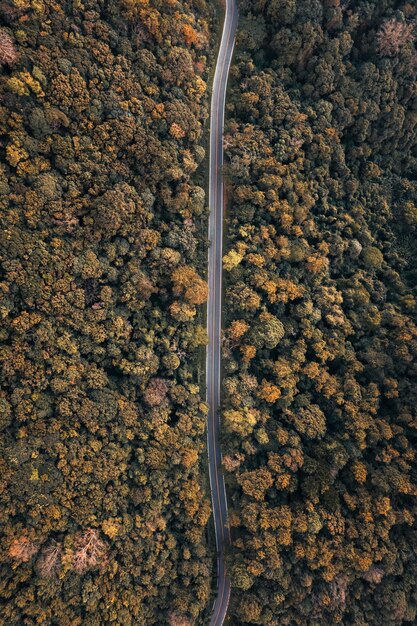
x: 104, y: 498
x: 320, y: 424
x: 103, y: 491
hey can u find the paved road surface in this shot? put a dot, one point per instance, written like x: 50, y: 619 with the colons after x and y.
x: 214, y: 304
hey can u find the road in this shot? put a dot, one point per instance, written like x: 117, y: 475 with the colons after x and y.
x: 214, y: 309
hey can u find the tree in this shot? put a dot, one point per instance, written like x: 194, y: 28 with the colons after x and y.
x: 186, y: 281
x: 156, y: 391
x: 267, y: 331
x: 50, y: 560
x: 394, y: 35
x: 8, y: 54
x: 89, y: 552
x: 241, y: 422
x: 22, y: 549
x: 175, y: 619
x: 269, y: 392
x: 255, y: 483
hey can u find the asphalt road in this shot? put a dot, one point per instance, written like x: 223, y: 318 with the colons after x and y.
x: 214, y: 309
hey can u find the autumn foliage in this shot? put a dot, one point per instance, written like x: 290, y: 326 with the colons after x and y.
x: 50, y: 559
x: 394, y: 35
x: 22, y: 549
x: 8, y: 53
x: 320, y: 337
x: 89, y: 552
x: 178, y: 620
x: 103, y: 252
x: 188, y: 283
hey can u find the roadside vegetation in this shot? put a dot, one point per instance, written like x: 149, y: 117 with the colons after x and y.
x: 103, y: 505
x: 321, y: 340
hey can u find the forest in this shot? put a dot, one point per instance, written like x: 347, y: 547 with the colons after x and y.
x: 320, y: 344
x: 104, y: 496
x: 104, y: 500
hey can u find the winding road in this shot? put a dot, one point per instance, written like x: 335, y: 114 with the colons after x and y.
x: 214, y: 309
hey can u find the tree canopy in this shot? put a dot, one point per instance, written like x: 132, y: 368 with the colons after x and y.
x: 321, y: 337
x: 104, y: 492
